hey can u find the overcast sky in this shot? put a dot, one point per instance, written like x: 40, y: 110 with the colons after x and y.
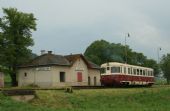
x: 69, y: 26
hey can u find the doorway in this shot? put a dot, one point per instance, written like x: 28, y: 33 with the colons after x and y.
x: 89, y: 81
x: 95, y: 80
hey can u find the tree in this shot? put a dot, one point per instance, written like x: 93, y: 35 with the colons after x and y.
x: 98, y: 52
x: 15, y: 39
x: 101, y: 51
x: 165, y: 66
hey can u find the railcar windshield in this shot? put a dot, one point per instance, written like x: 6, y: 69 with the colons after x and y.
x: 115, y: 69
x: 103, y: 70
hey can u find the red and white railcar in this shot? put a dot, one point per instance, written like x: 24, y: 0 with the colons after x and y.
x: 118, y: 74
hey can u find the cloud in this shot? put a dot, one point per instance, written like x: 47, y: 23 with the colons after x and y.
x: 70, y: 26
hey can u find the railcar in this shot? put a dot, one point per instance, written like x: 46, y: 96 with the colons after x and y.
x: 119, y: 74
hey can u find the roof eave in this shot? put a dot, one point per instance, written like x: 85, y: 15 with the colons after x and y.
x: 43, y: 65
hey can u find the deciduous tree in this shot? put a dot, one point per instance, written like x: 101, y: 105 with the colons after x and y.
x: 165, y: 66
x: 101, y: 51
x: 15, y: 39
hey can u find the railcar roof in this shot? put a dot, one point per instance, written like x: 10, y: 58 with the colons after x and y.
x: 122, y: 64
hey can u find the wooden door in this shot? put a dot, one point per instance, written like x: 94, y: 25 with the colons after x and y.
x: 79, y: 77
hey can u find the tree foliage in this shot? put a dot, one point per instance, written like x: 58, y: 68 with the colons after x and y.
x: 102, y: 51
x: 15, y: 39
x: 165, y: 66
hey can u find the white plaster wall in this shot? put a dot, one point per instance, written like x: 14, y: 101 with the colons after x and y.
x: 94, y: 73
x: 51, y: 78
x: 40, y: 78
x: 56, y: 76
x: 79, y: 66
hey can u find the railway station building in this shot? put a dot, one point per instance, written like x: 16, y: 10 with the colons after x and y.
x: 50, y: 70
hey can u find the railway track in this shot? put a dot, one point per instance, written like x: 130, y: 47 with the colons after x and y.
x: 91, y: 87
x: 108, y: 87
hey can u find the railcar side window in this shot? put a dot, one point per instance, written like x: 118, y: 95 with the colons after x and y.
x: 125, y: 70
x: 144, y: 72
x: 115, y: 69
x: 151, y: 73
x: 134, y: 71
x: 120, y: 69
x: 103, y: 70
x: 137, y: 71
x: 148, y: 73
x: 128, y: 70
x: 141, y: 72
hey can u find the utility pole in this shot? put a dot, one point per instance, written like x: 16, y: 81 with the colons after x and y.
x: 127, y: 35
x: 158, y: 51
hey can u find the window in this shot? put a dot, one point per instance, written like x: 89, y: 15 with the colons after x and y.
x: 120, y: 69
x: 137, y: 71
x: 108, y: 68
x: 148, y: 73
x: 134, y: 71
x: 152, y: 73
x: 79, y: 77
x: 62, y: 76
x: 115, y: 69
x: 144, y: 72
x: 141, y: 72
x: 103, y: 70
x: 129, y: 71
x: 25, y: 74
x: 125, y: 70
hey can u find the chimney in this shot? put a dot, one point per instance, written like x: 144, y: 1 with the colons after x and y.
x: 42, y: 52
x: 49, y: 52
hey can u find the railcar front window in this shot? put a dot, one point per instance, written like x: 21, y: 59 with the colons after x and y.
x: 103, y: 70
x: 115, y: 69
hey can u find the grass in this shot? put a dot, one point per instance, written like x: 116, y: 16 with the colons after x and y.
x: 6, y: 104
x: 7, y: 80
x: 156, y: 98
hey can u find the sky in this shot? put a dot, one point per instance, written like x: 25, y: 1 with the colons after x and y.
x: 70, y: 26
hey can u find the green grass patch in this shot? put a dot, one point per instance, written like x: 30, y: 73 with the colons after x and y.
x: 7, y: 80
x: 156, y: 98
